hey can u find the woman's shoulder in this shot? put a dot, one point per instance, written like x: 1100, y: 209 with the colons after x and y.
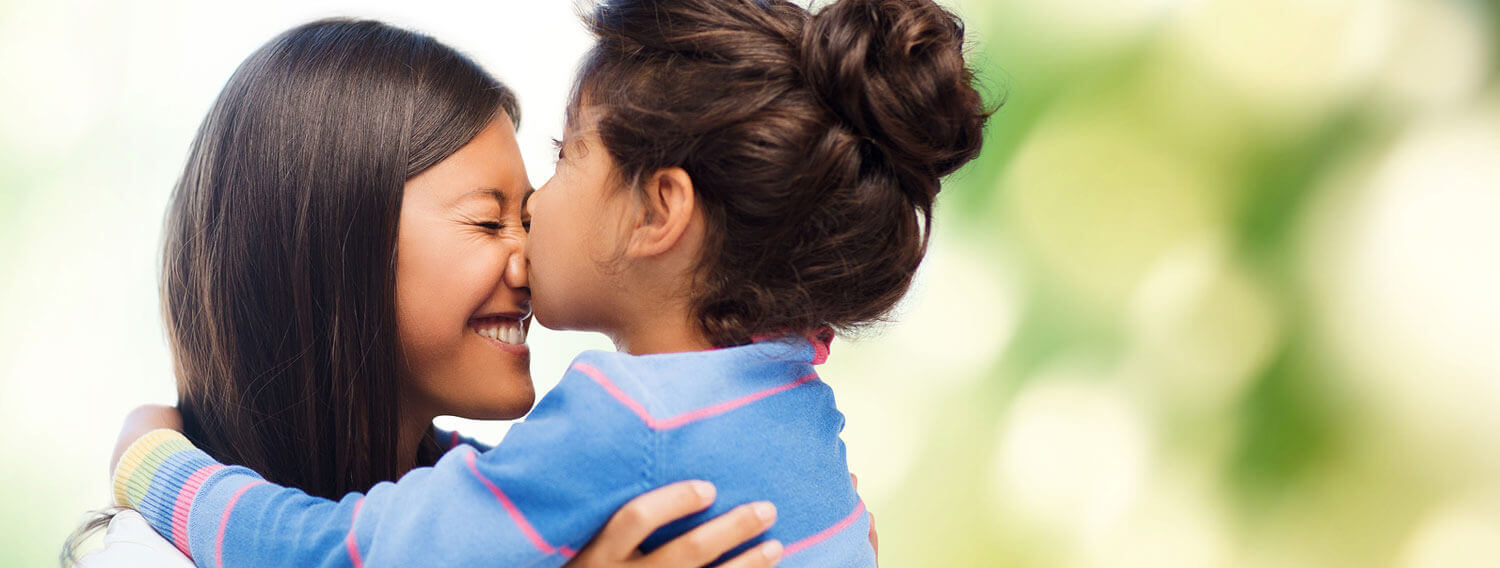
x: 130, y: 542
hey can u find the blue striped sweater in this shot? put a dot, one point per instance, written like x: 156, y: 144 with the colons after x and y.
x: 755, y: 420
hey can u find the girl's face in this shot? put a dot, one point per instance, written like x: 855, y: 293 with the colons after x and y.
x: 579, y: 223
x: 462, y: 297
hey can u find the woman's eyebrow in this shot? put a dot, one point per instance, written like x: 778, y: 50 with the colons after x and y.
x: 495, y: 193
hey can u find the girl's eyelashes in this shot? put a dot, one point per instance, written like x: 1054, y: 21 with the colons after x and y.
x: 558, y: 144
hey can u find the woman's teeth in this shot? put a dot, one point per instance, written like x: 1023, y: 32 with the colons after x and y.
x: 504, y: 331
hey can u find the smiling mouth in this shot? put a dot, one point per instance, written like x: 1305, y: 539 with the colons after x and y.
x: 505, y: 330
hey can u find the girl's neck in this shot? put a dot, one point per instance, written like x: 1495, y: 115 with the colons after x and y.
x: 666, y: 331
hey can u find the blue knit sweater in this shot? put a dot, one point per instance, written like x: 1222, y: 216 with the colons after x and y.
x: 754, y: 420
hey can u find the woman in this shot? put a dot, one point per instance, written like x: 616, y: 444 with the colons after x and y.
x: 343, y: 262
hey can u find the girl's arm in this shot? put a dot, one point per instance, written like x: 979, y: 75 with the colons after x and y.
x: 555, y: 480
x: 138, y: 423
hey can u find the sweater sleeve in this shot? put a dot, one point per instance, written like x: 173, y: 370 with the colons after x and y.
x: 533, y: 500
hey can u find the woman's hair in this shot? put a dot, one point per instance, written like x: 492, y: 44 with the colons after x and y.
x: 815, y: 143
x: 278, y: 278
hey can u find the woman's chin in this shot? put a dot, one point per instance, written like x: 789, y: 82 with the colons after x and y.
x: 513, y: 406
x: 493, y: 386
x: 518, y: 407
x: 516, y: 401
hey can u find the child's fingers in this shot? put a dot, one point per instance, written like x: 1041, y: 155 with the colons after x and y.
x: 766, y: 554
x: 716, y: 537
x: 650, y: 511
x: 139, y: 422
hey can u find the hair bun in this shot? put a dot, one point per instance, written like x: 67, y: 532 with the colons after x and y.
x: 894, y: 72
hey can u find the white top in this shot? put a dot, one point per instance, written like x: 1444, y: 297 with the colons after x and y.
x: 129, y: 542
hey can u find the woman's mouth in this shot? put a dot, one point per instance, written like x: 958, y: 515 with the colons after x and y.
x: 505, y: 330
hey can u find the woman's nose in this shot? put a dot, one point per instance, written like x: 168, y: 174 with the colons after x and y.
x: 515, y: 270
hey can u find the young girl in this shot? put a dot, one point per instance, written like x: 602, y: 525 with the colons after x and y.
x: 738, y: 178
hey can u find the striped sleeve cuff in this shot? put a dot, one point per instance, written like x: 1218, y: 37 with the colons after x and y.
x: 163, y: 476
x: 141, y: 462
x: 159, y: 475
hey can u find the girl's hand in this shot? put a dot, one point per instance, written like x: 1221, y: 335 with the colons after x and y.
x: 617, y: 543
x: 139, y: 422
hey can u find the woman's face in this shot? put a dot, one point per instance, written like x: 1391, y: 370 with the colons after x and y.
x: 462, y: 296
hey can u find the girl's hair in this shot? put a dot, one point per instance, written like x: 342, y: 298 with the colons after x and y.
x: 278, y: 278
x: 815, y: 143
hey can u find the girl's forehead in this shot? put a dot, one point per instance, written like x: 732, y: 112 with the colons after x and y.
x: 582, y: 117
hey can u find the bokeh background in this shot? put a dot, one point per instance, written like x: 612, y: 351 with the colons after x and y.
x: 1220, y: 291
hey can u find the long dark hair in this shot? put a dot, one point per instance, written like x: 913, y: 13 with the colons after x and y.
x: 278, y: 278
x: 825, y: 135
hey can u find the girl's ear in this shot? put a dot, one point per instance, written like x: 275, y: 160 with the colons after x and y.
x: 667, y: 210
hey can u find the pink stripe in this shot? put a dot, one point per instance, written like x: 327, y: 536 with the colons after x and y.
x: 727, y: 406
x: 349, y: 542
x: 515, y: 514
x: 825, y: 534
x: 820, y: 339
x: 184, y: 503
x: 224, y: 521
x: 453, y: 440
x: 687, y: 417
x: 609, y: 386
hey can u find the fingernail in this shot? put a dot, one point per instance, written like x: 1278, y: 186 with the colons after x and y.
x: 765, y: 510
x: 704, y: 489
x: 772, y: 549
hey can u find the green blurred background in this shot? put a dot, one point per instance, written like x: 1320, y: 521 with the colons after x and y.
x: 1220, y: 291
